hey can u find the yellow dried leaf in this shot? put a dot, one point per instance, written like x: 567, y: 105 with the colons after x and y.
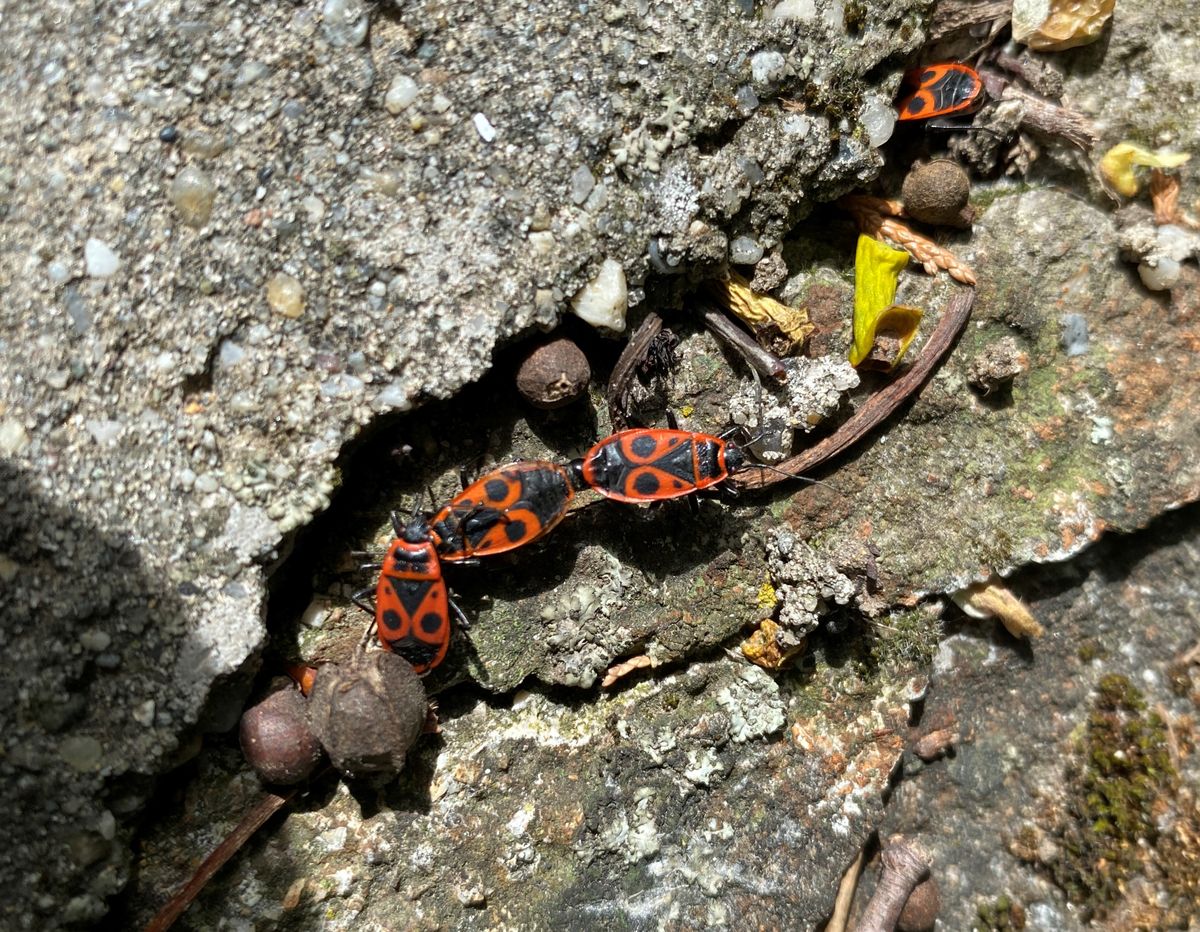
x: 762, y: 647
x: 1117, y: 165
x: 1068, y: 23
x: 876, y: 274
x: 992, y: 599
x: 760, y: 310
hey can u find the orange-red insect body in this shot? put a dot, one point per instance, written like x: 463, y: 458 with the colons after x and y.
x: 940, y: 90
x: 653, y: 464
x: 412, y: 606
x: 505, y: 509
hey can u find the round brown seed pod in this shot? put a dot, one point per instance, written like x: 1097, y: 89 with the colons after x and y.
x: 937, y: 193
x: 367, y: 713
x: 921, y: 909
x: 276, y: 737
x: 553, y: 374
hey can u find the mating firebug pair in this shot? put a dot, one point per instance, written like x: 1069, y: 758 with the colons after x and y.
x: 517, y: 504
x: 506, y: 508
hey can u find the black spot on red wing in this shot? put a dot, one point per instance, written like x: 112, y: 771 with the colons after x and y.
x: 515, y: 530
x: 496, y: 489
x: 954, y: 91
x: 677, y: 484
x: 646, y: 483
x: 914, y: 106
x: 391, y: 620
x: 928, y: 75
x: 643, y: 445
x: 433, y: 623
x: 708, y: 460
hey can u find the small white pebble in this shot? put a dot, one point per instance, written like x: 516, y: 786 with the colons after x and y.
x: 486, y: 131
x: 143, y: 713
x: 745, y: 250
x: 285, y: 295
x: 94, y: 639
x: 582, y: 183
x: 602, y: 302
x: 103, y: 430
x: 1161, y: 274
x: 230, y: 354
x: 542, y: 243
x: 878, y: 117
x: 206, y: 484
x: 401, y: 94
x: 768, y: 67
x: 344, y: 22
x: 99, y: 259
x: 13, y: 437
x: 803, y: 10
x: 57, y: 271
x: 193, y: 193
x: 314, y: 207
x: 1176, y: 243
x: 250, y: 72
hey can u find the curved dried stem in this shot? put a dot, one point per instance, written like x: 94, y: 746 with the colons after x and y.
x: 875, y: 409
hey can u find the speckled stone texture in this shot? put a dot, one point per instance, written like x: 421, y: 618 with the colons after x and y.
x: 992, y: 813
x: 435, y: 183
x: 166, y: 422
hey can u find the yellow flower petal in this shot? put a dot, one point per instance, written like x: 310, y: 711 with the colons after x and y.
x: 876, y: 274
x: 1117, y: 165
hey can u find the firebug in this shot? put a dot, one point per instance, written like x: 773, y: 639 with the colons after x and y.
x: 940, y: 90
x: 412, y: 605
x: 653, y: 464
x: 505, y: 509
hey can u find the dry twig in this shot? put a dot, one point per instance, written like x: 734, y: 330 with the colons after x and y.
x: 763, y: 362
x: 879, y: 406
x: 845, y: 895
x: 1051, y: 120
x: 950, y: 16
x: 270, y: 804
x: 623, y: 372
x: 904, y: 864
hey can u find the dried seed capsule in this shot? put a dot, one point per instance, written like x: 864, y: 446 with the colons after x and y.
x: 276, y: 737
x: 367, y: 713
x: 554, y: 374
x: 937, y: 194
